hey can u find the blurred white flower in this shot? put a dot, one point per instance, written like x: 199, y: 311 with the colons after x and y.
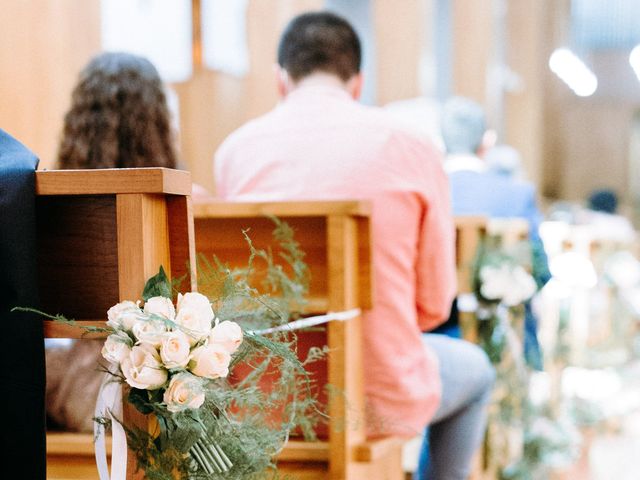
x: 623, y: 269
x: 573, y: 270
x: 510, y: 284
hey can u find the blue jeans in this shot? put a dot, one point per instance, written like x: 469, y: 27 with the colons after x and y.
x: 458, y: 427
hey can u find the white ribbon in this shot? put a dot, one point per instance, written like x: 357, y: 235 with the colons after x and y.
x: 109, y: 405
x: 310, y: 322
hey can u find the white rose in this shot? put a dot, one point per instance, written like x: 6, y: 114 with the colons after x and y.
x: 226, y: 334
x: 123, y: 315
x: 195, y: 301
x: 210, y: 361
x: 184, y: 391
x: 116, y: 347
x: 175, y: 349
x: 195, y: 324
x: 142, y: 368
x: 150, y: 331
x: 160, y: 306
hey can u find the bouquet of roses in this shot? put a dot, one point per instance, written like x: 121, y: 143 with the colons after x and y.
x: 170, y: 355
x: 208, y: 419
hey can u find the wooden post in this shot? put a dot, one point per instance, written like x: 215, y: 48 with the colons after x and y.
x: 345, y: 343
x: 109, y: 231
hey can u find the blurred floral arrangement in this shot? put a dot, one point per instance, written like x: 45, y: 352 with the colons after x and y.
x: 197, y: 367
x: 522, y: 440
x: 501, y: 285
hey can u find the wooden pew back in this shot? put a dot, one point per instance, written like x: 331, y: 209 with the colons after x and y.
x: 336, y: 239
x: 101, y: 235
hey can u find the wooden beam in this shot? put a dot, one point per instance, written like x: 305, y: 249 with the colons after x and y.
x: 285, y: 209
x: 113, y: 181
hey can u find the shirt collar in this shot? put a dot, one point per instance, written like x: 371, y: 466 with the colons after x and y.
x: 457, y: 162
x: 316, y: 91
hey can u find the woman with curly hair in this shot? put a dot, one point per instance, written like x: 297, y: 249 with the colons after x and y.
x: 119, y: 118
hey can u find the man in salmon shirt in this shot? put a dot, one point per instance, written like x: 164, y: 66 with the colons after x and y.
x: 321, y: 144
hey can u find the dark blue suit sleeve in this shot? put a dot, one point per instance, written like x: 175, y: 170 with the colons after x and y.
x: 22, y: 371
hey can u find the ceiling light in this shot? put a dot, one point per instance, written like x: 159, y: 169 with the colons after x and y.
x: 572, y: 71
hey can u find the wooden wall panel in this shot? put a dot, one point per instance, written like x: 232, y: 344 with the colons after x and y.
x: 213, y: 104
x: 44, y: 45
x: 399, y: 34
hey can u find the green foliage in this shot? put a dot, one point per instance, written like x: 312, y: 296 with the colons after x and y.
x: 157, y: 286
x: 248, y: 416
x: 64, y: 320
x: 268, y: 393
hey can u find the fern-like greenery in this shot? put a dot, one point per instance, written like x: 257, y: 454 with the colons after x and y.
x: 268, y: 393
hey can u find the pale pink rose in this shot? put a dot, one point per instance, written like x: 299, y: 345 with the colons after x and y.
x: 195, y: 323
x: 149, y: 331
x: 196, y: 301
x: 143, y: 369
x: 161, y: 306
x: 210, y: 361
x: 226, y: 334
x: 116, y: 347
x: 123, y: 315
x: 184, y: 391
x: 175, y: 349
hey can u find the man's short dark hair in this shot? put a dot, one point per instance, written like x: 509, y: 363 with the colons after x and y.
x: 319, y: 41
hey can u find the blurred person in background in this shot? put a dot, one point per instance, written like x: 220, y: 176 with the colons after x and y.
x: 605, y: 222
x: 477, y: 189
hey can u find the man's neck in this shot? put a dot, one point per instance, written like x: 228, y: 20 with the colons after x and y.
x: 320, y: 79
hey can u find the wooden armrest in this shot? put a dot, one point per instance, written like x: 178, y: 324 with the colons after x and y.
x: 373, y: 450
x: 301, y: 451
x: 112, y: 181
x: 70, y: 443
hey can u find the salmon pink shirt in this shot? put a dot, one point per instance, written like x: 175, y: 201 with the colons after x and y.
x: 319, y: 144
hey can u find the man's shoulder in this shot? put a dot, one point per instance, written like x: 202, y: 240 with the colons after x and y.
x: 253, y: 128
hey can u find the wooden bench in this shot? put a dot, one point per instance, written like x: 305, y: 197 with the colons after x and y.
x: 335, y: 238
x: 101, y: 235
x: 470, y: 232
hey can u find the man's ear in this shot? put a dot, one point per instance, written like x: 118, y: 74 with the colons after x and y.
x: 489, y: 140
x: 354, y: 86
x: 283, y: 81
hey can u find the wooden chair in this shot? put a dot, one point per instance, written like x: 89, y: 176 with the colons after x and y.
x: 470, y: 230
x: 509, y: 230
x: 101, y: 235
x: 335, y: 238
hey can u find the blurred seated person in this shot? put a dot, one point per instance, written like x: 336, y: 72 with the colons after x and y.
x: 118, y: 118
x: 478, y: 190
x: 504, y: 160
x: 605, y: 222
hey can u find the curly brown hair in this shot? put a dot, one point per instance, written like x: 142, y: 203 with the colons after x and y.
x: 118, y: 117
